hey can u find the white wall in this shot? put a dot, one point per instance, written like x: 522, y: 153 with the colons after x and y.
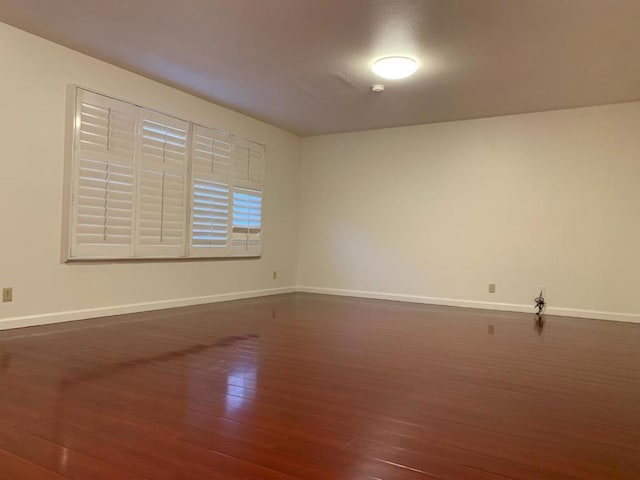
x: 440, y: 211
x: 35, y: 75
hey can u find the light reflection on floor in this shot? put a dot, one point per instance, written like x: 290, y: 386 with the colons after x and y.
x: 239, y: 379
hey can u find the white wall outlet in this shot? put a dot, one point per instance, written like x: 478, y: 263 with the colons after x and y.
x: 492, y: 288
x: 275, y: 274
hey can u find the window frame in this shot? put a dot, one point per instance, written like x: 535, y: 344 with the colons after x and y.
x: 187, y: 250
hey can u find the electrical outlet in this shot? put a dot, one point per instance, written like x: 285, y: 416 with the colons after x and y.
x: 492, y: 288
x: 275, y: 274
x: 7, y: 294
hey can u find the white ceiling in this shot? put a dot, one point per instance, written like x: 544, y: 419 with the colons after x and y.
x: 304, y: 65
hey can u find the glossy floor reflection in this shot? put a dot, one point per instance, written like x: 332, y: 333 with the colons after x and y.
x: 314, y: 387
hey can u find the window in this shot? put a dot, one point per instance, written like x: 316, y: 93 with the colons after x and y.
x: 149, y: 185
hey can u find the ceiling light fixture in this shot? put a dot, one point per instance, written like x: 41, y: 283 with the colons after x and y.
x: 395, y: 68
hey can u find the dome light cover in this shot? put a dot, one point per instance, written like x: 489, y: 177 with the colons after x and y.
x: 395, y: 68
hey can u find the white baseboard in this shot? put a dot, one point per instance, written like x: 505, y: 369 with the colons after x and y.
x: 594, y: 314
x: 68, y: 316
x: 453, y: 302
x: 58, y: 317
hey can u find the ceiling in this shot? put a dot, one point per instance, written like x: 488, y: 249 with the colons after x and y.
x: 304, y: 65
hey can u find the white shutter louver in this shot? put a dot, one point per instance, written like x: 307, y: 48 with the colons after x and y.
x: 103, y: 178
x: 162, y: 173
x: 210, y: 191
x: 248, y: 167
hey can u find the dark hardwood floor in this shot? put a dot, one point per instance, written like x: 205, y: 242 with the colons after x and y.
x: 314, y: 387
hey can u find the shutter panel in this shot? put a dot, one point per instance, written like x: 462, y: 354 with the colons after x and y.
x: 210, y: 192
x: 103, y: 177
x: 162, y: 174
x: 248, y: 168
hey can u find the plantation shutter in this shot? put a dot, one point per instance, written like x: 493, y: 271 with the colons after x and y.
x: 210, y: 192
x: 162, y: 175
x: 246, y: 203
x: 103, y: 177
x: 147, y: 185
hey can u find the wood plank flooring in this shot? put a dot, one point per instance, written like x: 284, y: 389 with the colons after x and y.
x: 315, y: 387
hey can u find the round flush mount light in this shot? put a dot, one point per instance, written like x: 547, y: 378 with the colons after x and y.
x: 395, y: 68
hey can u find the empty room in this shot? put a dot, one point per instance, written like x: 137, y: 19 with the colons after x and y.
x: 320, y: 240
